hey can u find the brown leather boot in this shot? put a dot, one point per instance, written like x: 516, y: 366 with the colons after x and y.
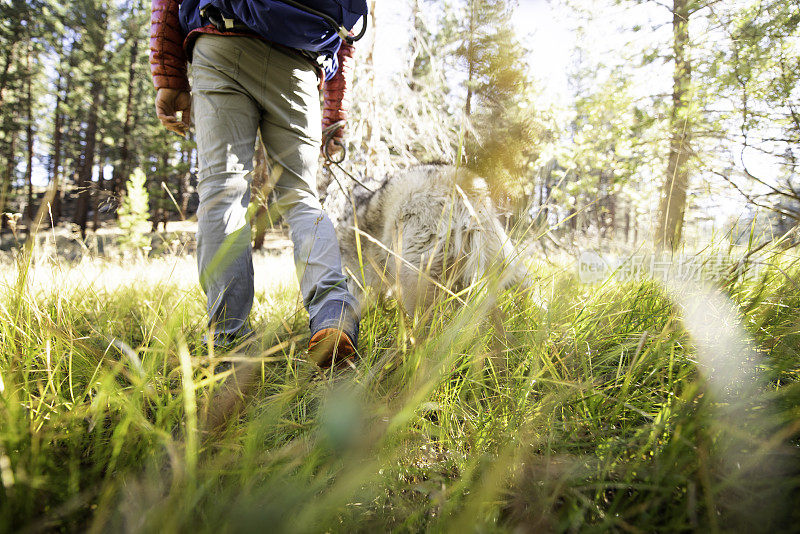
x: 331, y: 347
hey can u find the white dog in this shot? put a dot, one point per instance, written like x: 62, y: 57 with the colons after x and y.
x: 426, y: 230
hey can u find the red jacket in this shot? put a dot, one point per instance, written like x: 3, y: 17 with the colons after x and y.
x: 168, y: 60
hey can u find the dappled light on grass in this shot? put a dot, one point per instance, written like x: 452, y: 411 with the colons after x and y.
x: 549, y: 407
x: 98, y: 274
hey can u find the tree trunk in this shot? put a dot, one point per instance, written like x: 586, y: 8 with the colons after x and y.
x: 157, y: 199
x: 183, y: 183
x: 8, y: 60
x: 415, y: 71
x: 87, y: 162
x: 98, y: 191
x: 607, y: 204
x: 673, y: 197
x: 612, y: 209
x: 56, y: 154
x: 9, y: 176
x: 29, y: 134
x: 372, y: 131
x: 122, y: 170
x: 545, y: 174
x: 63, y: 88
x: 627, y: 226
x: 470, y: 58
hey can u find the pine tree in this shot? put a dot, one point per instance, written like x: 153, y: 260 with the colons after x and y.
x: 134, y: 213
x: 673, y: 197
x: 503, y: 127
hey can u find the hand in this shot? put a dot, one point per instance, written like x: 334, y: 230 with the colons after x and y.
x: 333, y: 148
x: 168, y: 103
x: 333, y: 142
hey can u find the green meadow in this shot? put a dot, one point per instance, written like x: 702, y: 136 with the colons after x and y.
x: 623, y: 405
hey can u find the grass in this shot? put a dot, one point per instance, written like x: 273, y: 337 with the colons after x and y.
x: 557, y: 408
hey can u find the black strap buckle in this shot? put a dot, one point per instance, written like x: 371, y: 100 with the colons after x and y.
x: 223, y: 23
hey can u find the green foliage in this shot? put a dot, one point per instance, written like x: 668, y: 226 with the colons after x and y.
x: 504, y: 124
x: 759, y: 68
x: 134, y: 213
x: 602, y: 155
x: 98, y: 76
x: 489, y: 119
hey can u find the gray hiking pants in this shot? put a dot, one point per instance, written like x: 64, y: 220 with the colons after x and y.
x: 241, y: 85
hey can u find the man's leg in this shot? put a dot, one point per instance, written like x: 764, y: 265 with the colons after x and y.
x: 226, y: 119
x: 290, y: 128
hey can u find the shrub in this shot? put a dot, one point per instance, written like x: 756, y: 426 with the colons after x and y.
x: 134, y: 213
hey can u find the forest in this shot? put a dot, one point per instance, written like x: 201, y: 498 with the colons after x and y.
x: 701, y: 105
x: 609, y: 132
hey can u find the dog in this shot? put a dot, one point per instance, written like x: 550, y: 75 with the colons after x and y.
x: 424, y: 231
